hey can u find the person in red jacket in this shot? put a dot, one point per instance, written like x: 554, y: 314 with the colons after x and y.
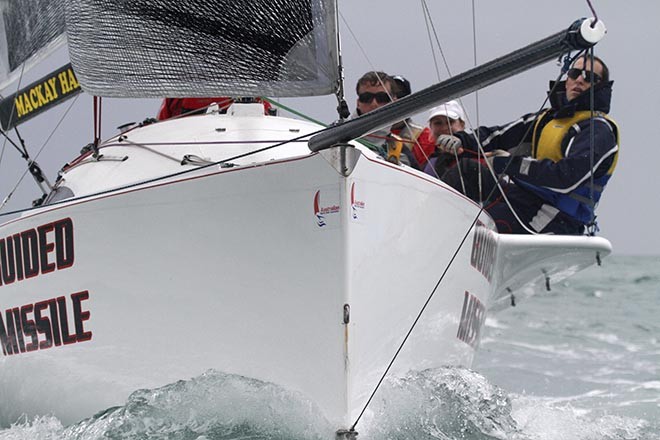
x: 422, y: 143
x: 172, y: 107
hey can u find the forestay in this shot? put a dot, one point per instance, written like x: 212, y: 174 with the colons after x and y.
x: 29, y: 30
x: 156, y: 48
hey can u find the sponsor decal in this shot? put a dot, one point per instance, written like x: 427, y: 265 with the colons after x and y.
x: 355, y: 204
x: 36, y: 251
x: 45, y: 324
x: 321, y: 212
x: 38, y: 97
x: 484, y: 249
x: 472, y: 319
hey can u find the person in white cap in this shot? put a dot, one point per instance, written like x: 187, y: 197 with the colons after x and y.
x: 553, y: 165
x: 445, y: 119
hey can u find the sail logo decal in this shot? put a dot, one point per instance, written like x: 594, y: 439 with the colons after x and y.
x: 35, y: 251
x: 39, y: 96
x: 321, y: 212
x: 44, y: 324
x: 355, y: 204
x: 484, y: 250
x: 473, y: 316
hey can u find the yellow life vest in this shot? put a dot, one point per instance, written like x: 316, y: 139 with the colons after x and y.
x: 396, y: 143
x: 548, y: 145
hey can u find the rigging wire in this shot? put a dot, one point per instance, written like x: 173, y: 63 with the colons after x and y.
x: 474, y: 49
x: 419, y: 315
x: 466, y: 235
x: 13, y: 108
x: 428, y: 31
x: 21, y: 150
x: 476, y: 93
x: 427, y: 15
x: 373, y: 68
x: 437, y: 40
x: 11, y: 193
x: 180, y: 173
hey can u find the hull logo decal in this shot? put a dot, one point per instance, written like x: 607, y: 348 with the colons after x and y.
x: 321, y: 212
x: 355, y: 204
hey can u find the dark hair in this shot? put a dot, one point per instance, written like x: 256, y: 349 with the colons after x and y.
x: 375, y: 78
x: 606, y: 71
x: 403, y: 88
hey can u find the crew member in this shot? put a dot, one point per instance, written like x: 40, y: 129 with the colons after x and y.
x: 556, y: 186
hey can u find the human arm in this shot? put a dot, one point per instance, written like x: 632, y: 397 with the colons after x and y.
x: 574, y: 168
x: 500, y: 137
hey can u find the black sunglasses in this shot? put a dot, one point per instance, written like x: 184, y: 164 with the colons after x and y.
x: 381, y: 97
x: 585, y: 74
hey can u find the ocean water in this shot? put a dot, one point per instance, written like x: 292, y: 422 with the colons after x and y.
x: 579, y: 362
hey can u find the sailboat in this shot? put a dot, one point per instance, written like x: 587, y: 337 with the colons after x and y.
x: 247, y: 243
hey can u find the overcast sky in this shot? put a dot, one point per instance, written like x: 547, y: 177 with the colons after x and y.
x: 394, y: 36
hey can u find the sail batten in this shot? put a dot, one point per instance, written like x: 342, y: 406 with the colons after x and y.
x: 157, y: 48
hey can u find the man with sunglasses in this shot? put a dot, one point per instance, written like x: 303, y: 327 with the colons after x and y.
x: 555, y: 163
x: 376, y: 89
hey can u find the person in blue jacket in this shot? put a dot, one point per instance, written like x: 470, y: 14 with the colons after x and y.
x: 553, y: 187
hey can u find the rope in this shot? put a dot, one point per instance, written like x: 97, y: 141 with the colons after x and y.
x: 382, y: 83
x: 151, y: 150
x: 427, y: 16
x: 499, y: 178
x: 593, y: 11
x: 460, y: 245
x: 592, y: 142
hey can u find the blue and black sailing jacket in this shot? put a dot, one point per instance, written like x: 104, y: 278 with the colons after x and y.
x: 559, y: 169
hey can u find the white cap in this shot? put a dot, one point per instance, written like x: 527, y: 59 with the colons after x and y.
x: 451, y: 109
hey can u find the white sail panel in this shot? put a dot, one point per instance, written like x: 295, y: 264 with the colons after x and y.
x: 159, y: 48
x: 29, y: 31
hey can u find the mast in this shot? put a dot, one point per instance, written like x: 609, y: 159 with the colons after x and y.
x: 581, y: 35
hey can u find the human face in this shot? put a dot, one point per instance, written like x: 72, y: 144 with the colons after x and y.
x: 366, y: 107
x: 574, y: 87
x: 444, y: 125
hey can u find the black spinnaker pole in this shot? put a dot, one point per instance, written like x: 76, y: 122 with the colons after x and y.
x: 582, y: 34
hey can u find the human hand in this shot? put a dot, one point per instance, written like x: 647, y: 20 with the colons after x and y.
x: 447, y: 143
x: 491, y: 155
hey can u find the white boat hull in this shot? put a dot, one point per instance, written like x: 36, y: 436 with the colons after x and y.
x: 245, y: 271
x: 306, y: 271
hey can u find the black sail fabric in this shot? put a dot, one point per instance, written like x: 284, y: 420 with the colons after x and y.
x: 159, y: 48
x: 29, y: 30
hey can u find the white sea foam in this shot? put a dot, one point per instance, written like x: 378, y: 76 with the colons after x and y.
x: 494, y: 323
x: 541, y: 419
x: 615, y: 340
